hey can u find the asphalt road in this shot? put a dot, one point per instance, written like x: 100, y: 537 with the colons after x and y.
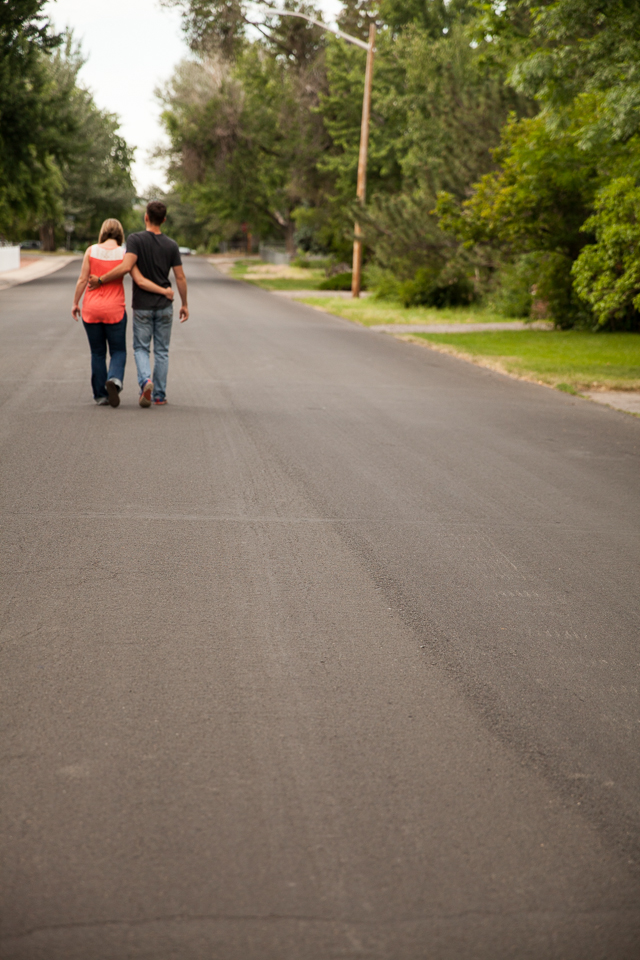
x: 335, y: 656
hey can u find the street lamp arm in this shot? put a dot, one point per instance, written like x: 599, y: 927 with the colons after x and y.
x: 319, y: 23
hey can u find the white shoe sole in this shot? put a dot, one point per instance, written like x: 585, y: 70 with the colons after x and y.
x: 145, y: 396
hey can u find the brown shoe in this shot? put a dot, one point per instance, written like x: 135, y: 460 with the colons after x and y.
x: 113, y: 391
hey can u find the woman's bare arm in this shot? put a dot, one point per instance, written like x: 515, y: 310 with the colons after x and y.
x: 149, y: 285
x: 81, y: 285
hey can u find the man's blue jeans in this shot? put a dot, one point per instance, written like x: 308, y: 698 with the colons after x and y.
x: 99, y: 335
x: 153, y: 325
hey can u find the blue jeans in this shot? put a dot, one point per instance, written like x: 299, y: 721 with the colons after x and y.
x: 156, y: 325
x: 99, y: 335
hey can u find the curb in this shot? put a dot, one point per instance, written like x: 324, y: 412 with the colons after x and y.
x: 42, y: 268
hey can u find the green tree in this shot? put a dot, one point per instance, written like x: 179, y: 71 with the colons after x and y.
x: 32, y: 130
x: 455, y: 102
x: 356, y: 17
x: 188, y: 226
x: 431, y: 17
x: 341, y: 110
x: 212, y: 26
x: 242, y: 119
x: 438, y: 108
x: 579, y: 60
x: 535, y: 203
x: 562, y: 50
x: 219, y: 28
x: 96, y: 173
x: 538, y: 199
x: 60, y: 156
x: 607, y: 272
x: 243, y: 140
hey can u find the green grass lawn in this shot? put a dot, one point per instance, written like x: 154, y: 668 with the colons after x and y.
x: 369, y: 312
x: 572, y: 360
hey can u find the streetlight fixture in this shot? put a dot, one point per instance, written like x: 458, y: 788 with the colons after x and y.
x: 361, y: 189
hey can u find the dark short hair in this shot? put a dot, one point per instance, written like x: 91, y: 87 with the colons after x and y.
x: 157, y: 212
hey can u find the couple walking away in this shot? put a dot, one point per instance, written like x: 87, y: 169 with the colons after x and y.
x: 149, y: 256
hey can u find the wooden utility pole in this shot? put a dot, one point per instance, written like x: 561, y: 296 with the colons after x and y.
x: 361, y: 190
x: 364, y: 127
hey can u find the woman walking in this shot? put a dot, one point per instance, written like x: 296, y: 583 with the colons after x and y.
x: 103, y: 312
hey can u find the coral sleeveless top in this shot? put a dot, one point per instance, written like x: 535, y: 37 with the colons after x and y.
x: 104, y: 304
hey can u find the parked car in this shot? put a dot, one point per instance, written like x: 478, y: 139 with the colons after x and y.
x: 185, y: 251
x: 30, y: 245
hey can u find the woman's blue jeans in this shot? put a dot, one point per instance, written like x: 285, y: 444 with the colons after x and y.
x: 100, y: 335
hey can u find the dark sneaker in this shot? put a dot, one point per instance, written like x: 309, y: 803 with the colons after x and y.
x: 159, y: 403
x: 114, y: 386
x: 145, y: 396
x: 102, y: 401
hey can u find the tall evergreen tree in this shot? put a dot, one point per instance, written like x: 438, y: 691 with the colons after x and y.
x: 432, y: 17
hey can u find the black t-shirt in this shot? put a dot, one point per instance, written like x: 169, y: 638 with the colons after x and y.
x: 156, y: 255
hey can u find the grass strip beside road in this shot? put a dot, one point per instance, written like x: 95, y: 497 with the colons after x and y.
x: 572, y: 360
x: 370, y: 312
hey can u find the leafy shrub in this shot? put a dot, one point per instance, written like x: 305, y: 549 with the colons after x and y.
x: 432, y: 288
x: 513, y: 296
x: 340, y: 281
x: 607, y: 273
x: 304, y: 239
x: 318, y: 233
x: 384, y: 283
x: 555, y: 289
x: 539, y: 286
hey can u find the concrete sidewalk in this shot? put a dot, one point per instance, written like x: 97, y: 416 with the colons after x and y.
x: 301, y: 294
x: 509, y: 326
x: 40, y: 268
x: 626, y: 400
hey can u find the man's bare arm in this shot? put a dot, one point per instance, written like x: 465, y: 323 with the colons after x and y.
x: 115, y: 274
x: 149, y: 285
x: 181, y: 283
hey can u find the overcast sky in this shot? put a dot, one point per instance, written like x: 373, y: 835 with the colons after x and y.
x: 131, y: 47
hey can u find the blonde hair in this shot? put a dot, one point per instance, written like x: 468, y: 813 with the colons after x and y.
x: 111, y: 230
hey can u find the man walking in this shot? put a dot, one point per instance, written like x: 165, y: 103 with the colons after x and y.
x: 155, y: 255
